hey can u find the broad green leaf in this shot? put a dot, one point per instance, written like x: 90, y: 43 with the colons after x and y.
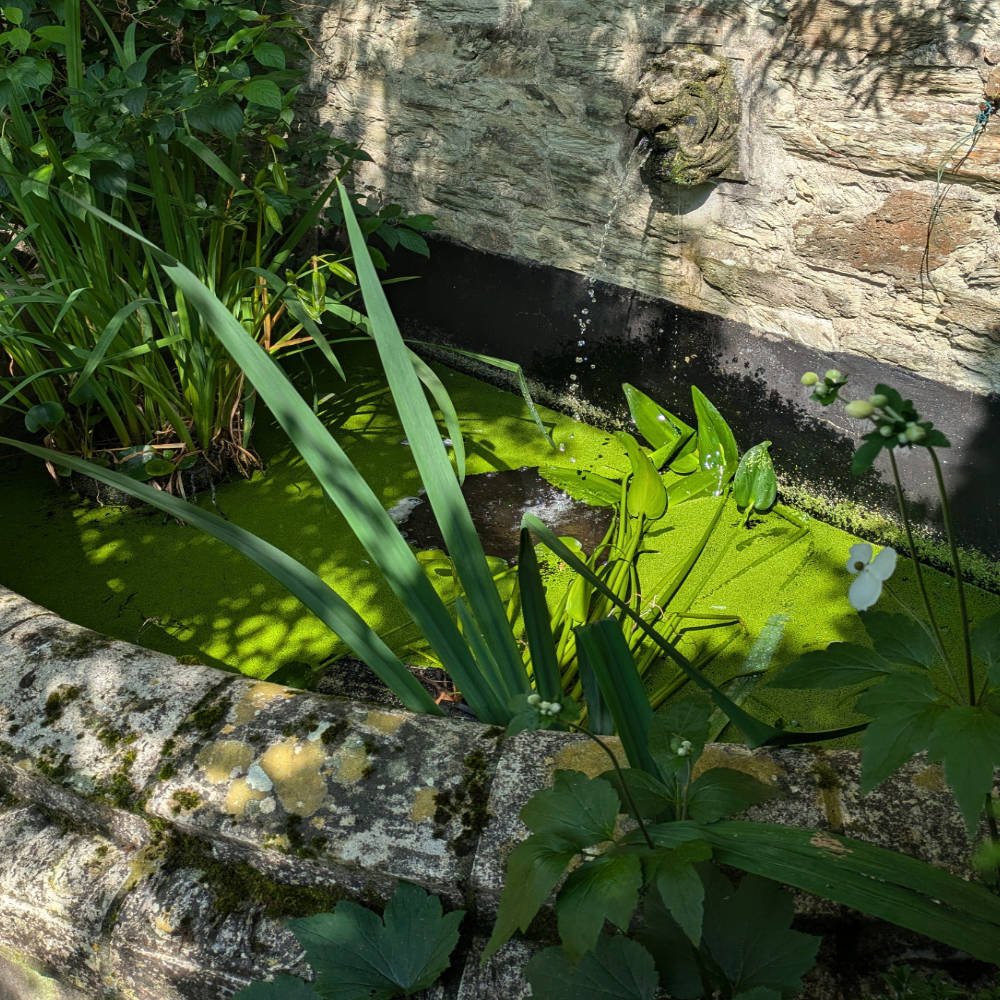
x: 665, y: 433
x: 269, y: 54
x: 681, y: 889
x: 681, y: 720
x: 967, y: 741
x: 704, y: 483
x: 356, y: 955
x: 158, y: 467
x: 839, y: 665
x: 602, y: 647
x: 755, y: 482
x: 898, y: 638
x: 723, y: 791
x: 747, y: 932
x: 717, y: 451
x: 578, y: 810
x: 882, y: 883
x: 44, y: 416
x: 986, y: 645
x: 412, y: 241
x: 646, y: 494
x: 866, y: 454
x: 266, y: 93
x: 605, y: 888
x: 617, y: 969
x: 904, y: 709
x: 678, y: 963
x: 651, y: 796
x: 533, y: 869
x: 282, y: 988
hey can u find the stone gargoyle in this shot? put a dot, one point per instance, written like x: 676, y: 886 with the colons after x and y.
x: 688, y: 105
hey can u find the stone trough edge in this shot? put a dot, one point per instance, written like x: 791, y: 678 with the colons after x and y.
x: 141, y: 791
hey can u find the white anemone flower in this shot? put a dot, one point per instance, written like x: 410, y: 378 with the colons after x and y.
x: 871, y: 574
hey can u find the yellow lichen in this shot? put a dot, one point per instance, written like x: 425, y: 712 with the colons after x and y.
x: 257, y: 698
x: 385, y: 722
x: 239, y: 794
x: 424, y: 804
x: 758, y: 765
x: 589, y: 757
x: 352, y: 762
x: 220, y: 759
x: 294, y: 768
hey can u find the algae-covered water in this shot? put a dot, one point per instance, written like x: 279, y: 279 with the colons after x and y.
x: 139, y: 576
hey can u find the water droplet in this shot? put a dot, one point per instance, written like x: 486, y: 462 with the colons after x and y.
x: 585, y: 312
x: 660, y: 416
x: 580, y: 343
x: 562, y: 447
x: 573, y: 460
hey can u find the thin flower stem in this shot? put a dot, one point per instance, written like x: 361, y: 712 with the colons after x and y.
x: 901, y: 501
x: 959, y: 583
x: 621, y: 781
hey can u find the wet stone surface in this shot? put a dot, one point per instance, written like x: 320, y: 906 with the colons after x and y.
x: 498, y: 501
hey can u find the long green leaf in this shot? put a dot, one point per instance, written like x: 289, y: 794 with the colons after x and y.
x: 757, y: 733
x: 537, y: 625
x: 341, y: 480
x: 317, y: 596
x: 436, y: 473
x: 602, y: 646
x: 883, y: 883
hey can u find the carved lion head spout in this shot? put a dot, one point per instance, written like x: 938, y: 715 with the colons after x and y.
x: 687, y: 103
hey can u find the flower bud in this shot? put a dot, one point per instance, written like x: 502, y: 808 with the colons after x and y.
x: 833, y: 375
x: 902, y: 438
x: 555, y: 708
x: 860, y: 409
x: 886, y: 430
x: 810, y: 378
x: 878, y: 400
x: 534, y: 700
x: 915, y: 433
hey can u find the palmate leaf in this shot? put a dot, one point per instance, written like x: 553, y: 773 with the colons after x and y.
x: 581, y: 811
x: 904, y: 709
x: 357, y: 955
x: 967, y: 741
x: 898, y: 638
x: 617, y: 969
x: 839, y: 665
x: 748, y: 933
x: 606, y: 888
x: 986, y: 645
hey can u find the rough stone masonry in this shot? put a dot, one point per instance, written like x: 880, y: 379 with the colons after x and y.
x: 507, y: 120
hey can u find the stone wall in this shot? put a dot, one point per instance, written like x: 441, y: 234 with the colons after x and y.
x: 506, y: 120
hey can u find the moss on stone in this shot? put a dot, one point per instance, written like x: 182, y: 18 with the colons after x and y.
x: 81, y: 646
x: 57, y: 701
x: 332, y: 734
x: 238, y: 887
x: 467, y: 802
x: 207, y: 714
x: 184, y: 799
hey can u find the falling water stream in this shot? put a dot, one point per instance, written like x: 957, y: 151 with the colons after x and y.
x: 640, y: 153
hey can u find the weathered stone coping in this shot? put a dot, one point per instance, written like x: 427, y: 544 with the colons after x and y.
x: 159, y: 818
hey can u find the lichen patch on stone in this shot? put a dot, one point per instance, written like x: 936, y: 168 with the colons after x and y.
x: 385, y: 722
x: 424, y: 804
x: 588, y: 757
x: 352, y: 763
x: 294, y: 768
x: 256, y: 699
x: 238, y: 796
x: 220, y: 759
x: 759, y: 766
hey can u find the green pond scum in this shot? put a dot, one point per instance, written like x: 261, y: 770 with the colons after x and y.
x: 137, y: 575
